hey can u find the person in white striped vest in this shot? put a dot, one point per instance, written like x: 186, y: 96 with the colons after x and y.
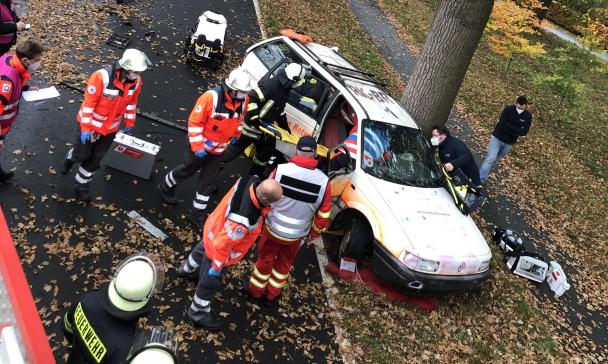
x: 302, y: 212
x: 215, y: 122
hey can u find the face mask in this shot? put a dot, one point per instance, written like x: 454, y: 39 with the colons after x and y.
x: 519, y: 111
x: 434, y: 141
x: 132, y: 75
x: 240, y: 95
x: 34, y: 66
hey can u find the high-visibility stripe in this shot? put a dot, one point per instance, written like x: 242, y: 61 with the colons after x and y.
x: 82, y: 181
x: 287, y: 219
x: 252, y: 106
x: 115, y: 125
x: 195, y: 129
x: 276, y: 284
x: 192, y: 262
x: 259, y: 275
x: 85, y: 120
x: 88, y: 109
x: 217, y: 263
x: 202, y: 198
x: 257, y: 283
x: 110, y: 92
x: 131, y: 92
x: 324, y: 215
x: 222, y: 114
x: 8, y: 116
x: 99, y: 117
x: 10, y: 106
x: 85, y: 173
x: 266, y: 108
x: 280, y: 276
x: 199, y: 206
x: 67, y: 324
x: 260, y: 94
x: 201, y: 302
x: 198, y: 138
x: 289, y: 231
x: 130, y: 116
x: 131, y: 107
x: 96, y: 123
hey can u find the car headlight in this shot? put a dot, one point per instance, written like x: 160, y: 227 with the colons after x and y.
x: 483, y: 266
x: 416, y: 263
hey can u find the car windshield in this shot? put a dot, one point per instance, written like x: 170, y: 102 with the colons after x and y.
x: 398, y: 154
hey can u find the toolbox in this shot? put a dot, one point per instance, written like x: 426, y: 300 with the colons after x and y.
x: 132, y: 155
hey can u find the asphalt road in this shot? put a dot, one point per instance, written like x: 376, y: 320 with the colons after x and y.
x: 68, y: 248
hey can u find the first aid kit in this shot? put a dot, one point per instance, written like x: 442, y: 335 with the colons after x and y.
x: 528, y: 266
x: 556, y: 278
x: 132, y: 155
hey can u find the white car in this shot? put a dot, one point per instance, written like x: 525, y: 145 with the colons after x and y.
x: 389, y: 201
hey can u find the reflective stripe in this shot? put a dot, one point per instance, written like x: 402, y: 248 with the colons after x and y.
x: 222, y: 114
x: 252, y: 106
x: 195, y: 129
x: 201, y: 302
x: 131, y: 107
x: 218, y: 263
x: 288, y: 219
x: 276, y: 284
x: 257, y: 273
x: 266, y: 107
x: 202, y: 197
x: 85, y: 173
x: 260, y: 94
x: 198, y: 138
x: 8, y: 116
x: 130, y: 116
x: 110, y: 92
x: 291, y: 232
x: 85, y: 120
x: 131, y: 92
x: 315, y: 228
x: 192, y: 263
x: 88, y: 109
x: 67, y: 324
x: 240, y: 219
x: 97, y: 124
x: 279, y: 275
x: 171, y: 177
x: 99, y: 117
x: 82, y: 181
x: 115, y: 125
x: 199, y: 206
x: 324, y: 215
x: 257, y: 283
x: 10, y: 106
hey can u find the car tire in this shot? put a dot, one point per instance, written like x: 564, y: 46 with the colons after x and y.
x: 356, y: 240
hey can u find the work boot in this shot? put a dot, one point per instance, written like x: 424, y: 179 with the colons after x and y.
x: 5, y: 176
x: 82, y: 194
x: 272, y: 305
x: 67, y: 162
x: 187, y: 275
x: 205, y: 319
x: 168, y: 194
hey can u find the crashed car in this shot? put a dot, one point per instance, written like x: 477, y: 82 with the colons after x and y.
x: 395, y: 206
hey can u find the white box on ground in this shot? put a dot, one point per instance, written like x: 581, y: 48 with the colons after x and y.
x: 132, y: 155
x: 556, y: 278
x: 42, y: 94
x: 349, y: 265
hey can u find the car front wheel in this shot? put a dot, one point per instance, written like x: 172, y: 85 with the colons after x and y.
x: 356, y: 240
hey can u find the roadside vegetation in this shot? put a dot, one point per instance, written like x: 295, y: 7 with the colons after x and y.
x: 558, y: 174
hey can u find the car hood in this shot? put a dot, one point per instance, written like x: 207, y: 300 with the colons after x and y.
x: 434, y: 226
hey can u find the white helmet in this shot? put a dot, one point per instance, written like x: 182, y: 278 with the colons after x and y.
x: 156, y: 345
x: 134, y: 60
x: 239, y: 80
x: 295, y: 72
x: 137, y: 279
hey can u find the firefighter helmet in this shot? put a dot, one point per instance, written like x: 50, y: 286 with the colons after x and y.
x: 295, y: 72
x: 134, y: 60
x: 137, y: 279
x: 239, y: 80
x: 156, y: 345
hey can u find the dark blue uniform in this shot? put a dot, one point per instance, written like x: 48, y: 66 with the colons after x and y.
x: 453, y: 150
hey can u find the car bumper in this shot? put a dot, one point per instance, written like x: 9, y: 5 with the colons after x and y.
x: 391, y: 270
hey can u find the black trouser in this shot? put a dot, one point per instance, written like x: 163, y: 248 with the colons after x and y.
x: 207, y: 285
x: 339, y: 161
x: 5, y: 48
x: 208, y: 167
x: 89, y: 156
x: 264, y: 150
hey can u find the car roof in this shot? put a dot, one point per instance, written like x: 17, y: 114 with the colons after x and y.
x: 378, y: 104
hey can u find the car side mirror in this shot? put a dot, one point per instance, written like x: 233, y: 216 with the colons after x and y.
x: 345, y: 169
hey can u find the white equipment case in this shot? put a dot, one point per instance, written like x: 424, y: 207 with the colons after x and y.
x: 132, y: 155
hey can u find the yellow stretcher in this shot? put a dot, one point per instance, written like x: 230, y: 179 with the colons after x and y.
x: 288, y: 138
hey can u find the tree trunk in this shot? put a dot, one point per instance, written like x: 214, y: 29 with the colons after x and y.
x: 446, y: 55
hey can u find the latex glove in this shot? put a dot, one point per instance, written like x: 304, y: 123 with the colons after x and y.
x: 85, y: 136
x: 127, y: 130
x: 200, y: 153
x: 272, y: 129
x: 233, y: 140
x: 214, y: 273
x: 449, y: 167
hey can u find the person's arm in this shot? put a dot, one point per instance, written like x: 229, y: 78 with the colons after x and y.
x: 230, y: 234
x: 131, y: 109
x: 8, y: 28
x: 461, y: 151
x: 92, y: 93
x: 528, y: 123
x: 197, y: 121
x: 68, y: 322
x: 256, y: 103
x: 321, y: 219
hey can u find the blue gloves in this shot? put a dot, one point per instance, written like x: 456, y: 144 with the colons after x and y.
x: 214, y: 273
x: 201, y: 153
x: 233, y: 140
x: 85, y: 136
x: 272, y: 129
x: 127, y: 130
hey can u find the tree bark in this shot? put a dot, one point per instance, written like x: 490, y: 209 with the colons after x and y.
x: 445, y: 58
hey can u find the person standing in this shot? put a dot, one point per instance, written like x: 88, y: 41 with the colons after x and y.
x: 9, y: 25
x: 110, y: 96
x: 306, y: 204
x: 515, y: 121
x: 101, y: 326
x: 229, y: 233
x: 266, y: 105
x: 217, y: 118
x: 15, y: 72
x: 454, y: 154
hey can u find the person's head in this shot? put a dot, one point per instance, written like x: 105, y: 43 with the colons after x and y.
x: 136, y: 279
x: 294, y: 72
x: 521, y: 103
x: 238, y: 83
x: 268, y: 191
x: 306, y: 147
x: 133, y: 62
x: 30, y: 54
x: 439, y: 134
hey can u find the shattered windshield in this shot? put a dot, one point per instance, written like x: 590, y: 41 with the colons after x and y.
x: 398, y: 154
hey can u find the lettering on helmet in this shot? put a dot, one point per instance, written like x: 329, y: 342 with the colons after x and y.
x: 92, y: 89
x: 88, y: 336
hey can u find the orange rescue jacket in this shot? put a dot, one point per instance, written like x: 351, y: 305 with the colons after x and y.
x: 234, y: 225
x: 107, y: 101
